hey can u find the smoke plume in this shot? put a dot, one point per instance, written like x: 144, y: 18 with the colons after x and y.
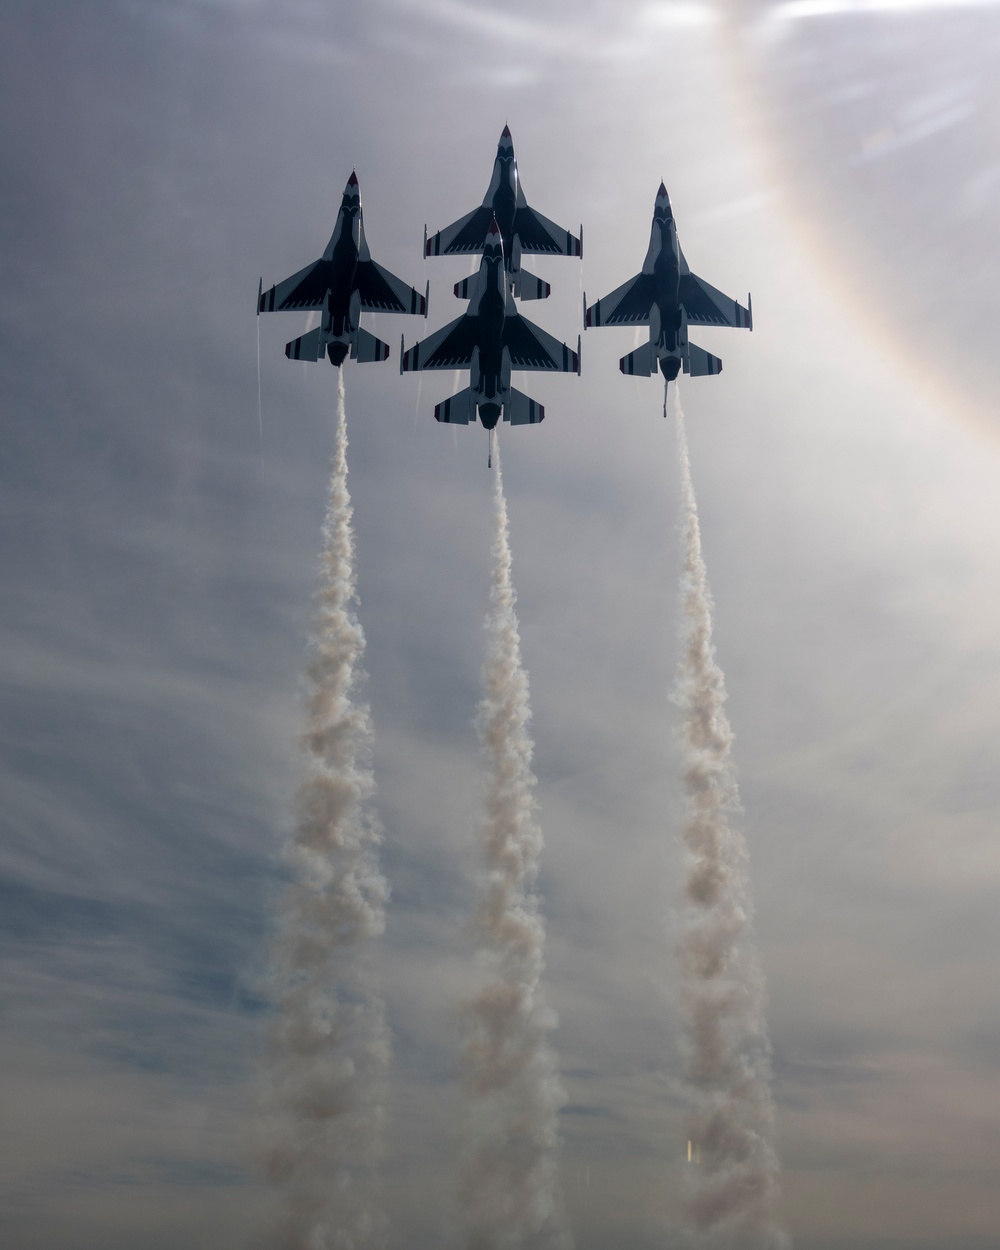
x: 733, y: 1184
x: 510, y: 1184
x: 328, y: 1043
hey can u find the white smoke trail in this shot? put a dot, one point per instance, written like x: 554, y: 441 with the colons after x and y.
x: 329, y: 1045
x: 510, y: 1192
x: 733, y: 1187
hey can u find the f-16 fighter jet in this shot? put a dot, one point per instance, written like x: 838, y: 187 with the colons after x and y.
x: 521, y: 228
x: 492, y: 338
x: 668, y: 298
x: 342, y: 284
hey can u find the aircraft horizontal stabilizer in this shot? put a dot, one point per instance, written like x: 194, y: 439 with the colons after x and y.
x: 527, y: 286
x: 702, y: 363
x: 366, y: 347
x: 521, y: 409
x: 460, y: 409
x: 308, y: 347
x: 642, y: 362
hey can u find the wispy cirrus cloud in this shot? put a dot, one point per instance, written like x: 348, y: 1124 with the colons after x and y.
x: 792, y: 10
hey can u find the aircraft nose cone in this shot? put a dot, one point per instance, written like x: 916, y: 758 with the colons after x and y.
x: 353, y: 180
x: 505, y: 133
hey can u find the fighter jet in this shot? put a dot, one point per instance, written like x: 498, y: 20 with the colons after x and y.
x: 342, y: 284
x: 521, y: 228
x: 492, y: 338
x: 668, y: 298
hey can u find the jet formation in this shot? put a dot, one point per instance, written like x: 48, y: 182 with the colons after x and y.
x: 492, y: 339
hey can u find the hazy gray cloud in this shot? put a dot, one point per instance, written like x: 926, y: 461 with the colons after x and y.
x: 158, y: 559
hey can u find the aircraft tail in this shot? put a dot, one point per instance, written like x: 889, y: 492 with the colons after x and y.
x: 366, y: 347
x: 701, y: 363
x: 521, y: 409
x: 309, y: 347
x: 460, y: 409
x: 641, y: 362
x: 527, y: 286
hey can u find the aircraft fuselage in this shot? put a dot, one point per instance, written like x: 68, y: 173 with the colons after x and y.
x: 505, y: 202
x: 341, y: 315
x: 502, y: 194
x: 663, y: 261
x: 492, y: 316
x: 343, y: 277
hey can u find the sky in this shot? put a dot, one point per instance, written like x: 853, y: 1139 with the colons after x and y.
x: 159, y: 539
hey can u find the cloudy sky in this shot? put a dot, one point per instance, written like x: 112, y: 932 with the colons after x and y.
x: 159, y: 544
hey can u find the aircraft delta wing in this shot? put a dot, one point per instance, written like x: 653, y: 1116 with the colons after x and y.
x: 342, y: 284
x: 631, y: 304
x: 522, y: 229
x: 490, y: 339
x: 667, y: 297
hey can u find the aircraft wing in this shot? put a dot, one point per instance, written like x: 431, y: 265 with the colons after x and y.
x: 305, y: 289
x: 627, y: 305
x: 382, y: 291
x: 451, y: 347
x: 538, y: 234
x: 464, y: 235
x: 705, y: 306
x: 531, y: 348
